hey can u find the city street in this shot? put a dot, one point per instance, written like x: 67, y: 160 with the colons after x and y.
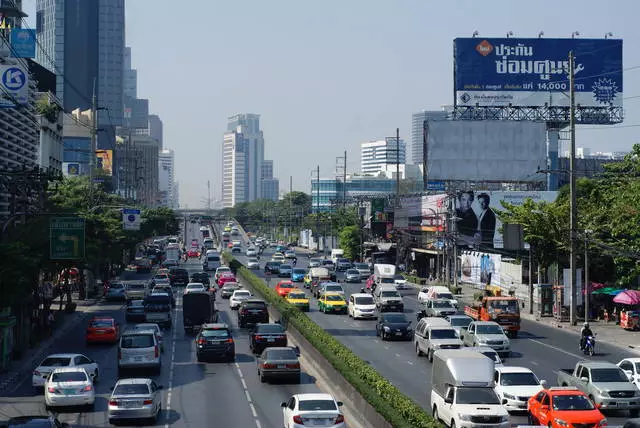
x: 541, y: 348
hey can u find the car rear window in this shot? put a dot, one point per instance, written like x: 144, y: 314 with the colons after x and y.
x: 116, y: 286
x: 280, y: 354
x: 270, y: 328
x: 364, y: 300
x: 101, y: 324
x: 138, y: 341
x: 317, y: 405
x: 222, y: 332
x: 69, y: 377
x: 131, y: 389
x: 29, y: 422
x: 136, y: 286
x: 256, y: 305
x: 56, y: 362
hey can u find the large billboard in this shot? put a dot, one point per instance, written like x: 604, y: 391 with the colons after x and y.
x: 480, y: 269
x: 426, y: 213
x: 478, y: 225
x: 499, y: 150
x: 104, y: 161
x: 534, y: 72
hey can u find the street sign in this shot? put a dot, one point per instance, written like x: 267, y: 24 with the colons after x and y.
x: 66, y: 238
x: 130, y: 219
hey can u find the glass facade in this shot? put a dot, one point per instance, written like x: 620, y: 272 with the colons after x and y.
x: 76, y: 150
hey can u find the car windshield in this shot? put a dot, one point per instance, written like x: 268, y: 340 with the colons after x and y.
x: 333, y: 298
x: 297, y: 296
x: 608, y: 375
x: 489, y: 329
x: 572, y: 402
x: 460, y: 322
x: 137, y: 341
x: 147, y: 326
x: 222, y: 270
x: 285, y: 266
x: 241, y: 295
x: 220, y: 333
x: 333, y: 288
x: 442, y: 304
x: 395, y: 318
x: 395, y: 277
x: 213, y: 258
x: 362, y: 266
x: 101, y: 324
x: 321, y: 405
x: 131, y: 389
x: 136, y: 286
x: 364, y: 300
x: 270, y: 328
x: 286, y: 285
x: 389, y: 294
x: 116, y: 285
x: 353, y: 272
x: 476, y: 396
x: 194, y: 286
x: 518, y: 379
x: 253, y: 260
x: 387, y: 280
x: 56, y: 362
x: 69, y: 377
x: 445, y: 296
x: 504, y: 306
x: 447, y: 333
x: 299, y: 271
x: 162, y: 277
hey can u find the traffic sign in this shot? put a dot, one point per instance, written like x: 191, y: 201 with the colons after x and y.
x: 130, y: 219
x: 66, y: 238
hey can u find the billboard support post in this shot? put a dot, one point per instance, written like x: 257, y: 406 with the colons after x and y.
x: 572, y: 187
x: 531, y: 278
x: 397, y: 204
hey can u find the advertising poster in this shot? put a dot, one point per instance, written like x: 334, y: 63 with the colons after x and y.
x: 535, y: 72
x: 478, y: 225
x: 426, y: 213
x: 480, y: 269
x: 23, y: 42
x: 104, y: 161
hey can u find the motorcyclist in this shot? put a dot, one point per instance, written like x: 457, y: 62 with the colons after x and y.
x: 584, y: 333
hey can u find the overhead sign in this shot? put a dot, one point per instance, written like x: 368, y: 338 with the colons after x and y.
x: 66, y: 238
x: 14, y: 82
x: 23, y: 43
x: 130, y: 219
x: 535, y: 72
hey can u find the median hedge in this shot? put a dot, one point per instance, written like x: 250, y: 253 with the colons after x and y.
x: 398, y: 409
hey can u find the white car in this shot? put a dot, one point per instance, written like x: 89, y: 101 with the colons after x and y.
x: 238, y: 297
x: 631, y: 367
x: 161, y: 279
x: 251, y: 252
x: 515, y: 385
x: 423, y: 294
x: 400, y: 282
x: 195, y: 287
x: 312, y: 410
x: 54, y: 361
x: 220, y: 271
x: 253, y: 263
x: 153, y: 327
x: 69, y: 386
x: 361, y: 305
x: 488, y: 352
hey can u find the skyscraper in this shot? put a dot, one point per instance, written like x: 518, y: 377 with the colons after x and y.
x: 248, y: 125
x: 130, y: 84
x: 374, y: 155
x: 417, y: 123
x: 269, y: 186
x: 155, y: 128
x: 166, y: 178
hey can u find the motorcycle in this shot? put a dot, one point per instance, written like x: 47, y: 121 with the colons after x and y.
x: 589, y: 346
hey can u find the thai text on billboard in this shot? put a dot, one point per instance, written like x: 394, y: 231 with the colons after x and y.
x: 535, y: 72
x: 478, y: 225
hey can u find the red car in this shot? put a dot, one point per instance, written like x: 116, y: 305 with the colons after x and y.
x: 284, y: 287
x: 102, y: 330
x: 193, y: 252
x: 226, y: 277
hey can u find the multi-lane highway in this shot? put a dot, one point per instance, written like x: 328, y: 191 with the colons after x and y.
x: 542, y: 349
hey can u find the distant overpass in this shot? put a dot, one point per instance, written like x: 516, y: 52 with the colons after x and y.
x: 198, y: 212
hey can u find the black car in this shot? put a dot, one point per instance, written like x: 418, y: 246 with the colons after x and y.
x: 215, y: 340
x: 135, y: 311
x: 272, y: 268
x: 201, y: 277
x: 35, y: 422
x: 394, y: 325
x: 178, y: 276
x: 266, y: 335
x: 252, y: 311
x: 165, y: 289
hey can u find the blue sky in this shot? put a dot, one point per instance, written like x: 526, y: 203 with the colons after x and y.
x: 329, y: 74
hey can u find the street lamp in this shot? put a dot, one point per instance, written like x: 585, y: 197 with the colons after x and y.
x: 587, y: 288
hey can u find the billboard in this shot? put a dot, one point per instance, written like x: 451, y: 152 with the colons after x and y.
x: 478, y: 225
x: 426, y: 213
x: 480, y: 269
x: 498, y: 150
x: 15, y: 85
x: 104, y: 161
x: 534, y: 72
x: 23, y: 43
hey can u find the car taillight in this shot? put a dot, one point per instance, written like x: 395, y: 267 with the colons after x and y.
x: 157, y: 351
x: 113, y: 403
x: 339, y: 420
x: 87, y: 388
x: 51, y: 390
x: 244, y: 311
x: 229, y: 341
x: 293, y: 366
x: 147, y: 402
x: 201, y: 341
x: 297, y: 419
x: 258, y: 337
x: 268, y: 366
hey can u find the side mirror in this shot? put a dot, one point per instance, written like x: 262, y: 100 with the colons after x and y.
x: 543, y: 407
x: 504, y: 401
x: 297, y: 349
x: 544, y: 384
x: 584, y: 379
x: 283, y: 404
x: 340, y: 403
x: 448, y: 399
x: 629, y: 374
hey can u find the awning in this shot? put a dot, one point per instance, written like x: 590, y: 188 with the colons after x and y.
x: 425, y: 251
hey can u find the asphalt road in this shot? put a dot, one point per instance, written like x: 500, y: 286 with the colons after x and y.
x: 540, y: 348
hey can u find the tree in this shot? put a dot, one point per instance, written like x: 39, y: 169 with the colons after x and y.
x: 349, y: 238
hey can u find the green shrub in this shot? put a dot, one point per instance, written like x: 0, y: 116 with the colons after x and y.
x: 398, y: 409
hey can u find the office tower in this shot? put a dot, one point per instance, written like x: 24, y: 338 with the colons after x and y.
x: 166, y: 178
x: 269, y: 186
x: 375, y: 155
x: 155, y: 128
x: 248, y: 125
x: 417, y: 124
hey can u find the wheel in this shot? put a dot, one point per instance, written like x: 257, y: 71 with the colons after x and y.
x: 231, y: 358
x: 418, y: 351
x: 262, y: 378
x: 91, y: 407
x: 199, y: 358
x: 592, y: 351
x: 435, y: 414
x: 383, y: 335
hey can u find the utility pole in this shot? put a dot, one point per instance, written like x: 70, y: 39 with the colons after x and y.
x: 344, y: 182
x: 290, y: 205
x: 318, y: 210
x: 573, y: 208
x: 587, y: 288
x: 208, y: 195
x: 531, y: 278
x: 94, y: 133
x: 397, y: 204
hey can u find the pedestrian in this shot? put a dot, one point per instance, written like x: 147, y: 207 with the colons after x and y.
x: 50, y: 320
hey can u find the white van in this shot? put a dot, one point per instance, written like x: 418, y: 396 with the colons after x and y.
x: 441, y: 292
x: 211, y: 260
x: 139, y: 349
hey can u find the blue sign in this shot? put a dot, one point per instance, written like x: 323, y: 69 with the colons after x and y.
x: 130, y: 219
x: 438, y: 186
x: 23, y: 43
x: 535, y: 72
x: 73, y: 169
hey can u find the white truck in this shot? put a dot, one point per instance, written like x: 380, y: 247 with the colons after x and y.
x: 462, y: 392
x: 384, y: 274
x: 172, y: 255
x: 336, y: 254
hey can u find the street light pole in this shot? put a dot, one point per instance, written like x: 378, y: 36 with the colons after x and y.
x: 587, y: 288
x: 573, y: 207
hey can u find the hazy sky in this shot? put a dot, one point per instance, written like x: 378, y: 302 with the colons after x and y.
x: 327, y: 75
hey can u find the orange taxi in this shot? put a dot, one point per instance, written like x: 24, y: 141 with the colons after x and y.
x: 284, y: 287
x: 102, y: 330
x: 562, y: 407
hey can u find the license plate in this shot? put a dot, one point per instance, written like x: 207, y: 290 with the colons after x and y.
x: 69, y: 391
x: 137, y: 358
x: 398, y: 333
x: 282, y: 366
x: 131, y: 404
x: 623, y: 403
x: 100, y: 332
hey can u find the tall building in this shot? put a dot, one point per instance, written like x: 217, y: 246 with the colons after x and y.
x: 248, y: 125
x: 83, y: 43
x: 76, y: 142
x: 417, y: 126
x: 145, y: 167
x: 375, y: 155
x: 269, y: 186
x: 155, y: 128
x: 166, y: 178
x: 130, y: 84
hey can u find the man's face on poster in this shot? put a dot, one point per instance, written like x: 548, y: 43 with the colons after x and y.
x: 484, y: 203
x: 465, y: 202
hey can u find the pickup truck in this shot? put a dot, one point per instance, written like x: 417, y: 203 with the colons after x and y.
x: 502, y: 309
x: 605, y: 384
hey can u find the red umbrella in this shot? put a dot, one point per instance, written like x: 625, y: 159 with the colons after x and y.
x: 628, y: 297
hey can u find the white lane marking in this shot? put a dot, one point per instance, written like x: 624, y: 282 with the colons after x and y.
x: 534, y: 363
x: 557, y: 349
x: 253, y: 410
x: 167, y: 409
x: 410, y: 363
x: 246, y: 393
x: 398, y: 355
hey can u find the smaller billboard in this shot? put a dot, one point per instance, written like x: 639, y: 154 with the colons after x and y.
x: 14, y: 82
x: 104, y: 161
x: 23, y: 43
x: 480, y: 269
x: 425, y: 213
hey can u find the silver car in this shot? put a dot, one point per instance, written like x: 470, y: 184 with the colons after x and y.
x: 136, y: 290
x: 353, y: 275
x: 439, y: 308
x: 136, y: 398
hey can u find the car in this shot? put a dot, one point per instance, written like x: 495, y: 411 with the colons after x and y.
x: 438, y: 308
x: 289, y: 254
x: 238, y: 297
x: 215, y: 340
x: 400, y: 282
x: 284, y: 287
x: 285, y: 270
x: 193, y: 252
x: 136, y: 290
x: 35, y: 422
x: 139, y: 349
x: 153, y: 327
x: 69, y: 386
x: 135, y: 398
x: 459, y: 322
x: 423, y: 294
x: 201, y: 277
x: 314, y: 263
x: 343, y: 265
x: 515, y: 386
x: 631, y: 367
x: 116, y: 291
x: 164, y: 289
x: 566, y: 404
x: 228, y: 289
x: 220, y: 271
x: 264, y: 335
x: 226, y: 277
x: 135, y: 311
x: 278, y: 362
x: 394, y: 325
x: 143, y: 266
x: 489, y: 353
x: 353, y: 275
x: 54, y: 361
x: 487, y: 333
x: 332, y: 302
x: 102, y: 330
x: 178, y: 276
x: 312, y: 409
x: 252, y: 311
x: 251, y: 252
x: 253, y: 263
x: 364, y: 270
x: 272, y: 267
x: 297, y: 274
x: 161, y: 279
x: 195, y: 287
x: 361, y: 305
x: 236, y: 248
x: 329, y: 287
x: 299, y: 299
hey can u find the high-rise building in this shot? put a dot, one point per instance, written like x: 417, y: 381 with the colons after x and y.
x: 248, y: 125
x: 375, y: 155
x: 130, y: 84
x: 417, y: 125
x: 155, y: 128
x: 267, y: 169
x: 83, y: 43
x: 269, y: 186
x: 145, y: 167
x: 166, y: 178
